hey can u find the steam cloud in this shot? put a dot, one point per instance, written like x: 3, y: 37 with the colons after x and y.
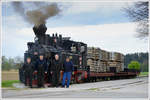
x: 38, y: 16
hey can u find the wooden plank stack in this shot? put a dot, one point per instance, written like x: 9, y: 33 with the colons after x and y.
x: 100, y: 60
x: 116, y: 56
x: 104, y: 55
x: 119, y: 66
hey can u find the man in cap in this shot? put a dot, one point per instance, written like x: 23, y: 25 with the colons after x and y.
x: 41, y: 68
x: 68, y: 70
x: 55, y: 71
x: 28, y: 68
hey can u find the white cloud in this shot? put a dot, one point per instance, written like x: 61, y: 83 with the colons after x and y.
x: 103, y: 7
x: 111, y: 37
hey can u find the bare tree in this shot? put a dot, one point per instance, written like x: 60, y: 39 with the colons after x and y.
x: 139, y: 13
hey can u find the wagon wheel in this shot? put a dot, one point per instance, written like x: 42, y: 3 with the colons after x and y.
x: 79, y: 78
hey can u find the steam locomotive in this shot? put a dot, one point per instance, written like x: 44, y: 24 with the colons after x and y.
x: 76, y: 51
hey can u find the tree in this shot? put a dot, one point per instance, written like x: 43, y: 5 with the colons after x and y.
x: 134, y: 65
x: 139, y: 13
x: 142, y: 58
x: 5, y: 64
x: 144, y: 66
x: 18, y: 59
x: 11, y: 63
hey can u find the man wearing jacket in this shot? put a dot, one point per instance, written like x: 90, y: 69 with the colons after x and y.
x: 68, y: 69
x: 55, y: 71
x: 41, y: 68
x: 28, y: 68
x: 35, y: 57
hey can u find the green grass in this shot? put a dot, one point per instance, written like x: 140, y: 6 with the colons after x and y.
x: 9, y: 83
x: 144, y: 73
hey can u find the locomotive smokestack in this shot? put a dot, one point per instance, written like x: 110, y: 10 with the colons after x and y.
x: 40, y: 30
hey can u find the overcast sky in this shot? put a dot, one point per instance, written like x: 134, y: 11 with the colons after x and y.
x: 98, y: 24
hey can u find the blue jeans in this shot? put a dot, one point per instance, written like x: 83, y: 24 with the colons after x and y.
x: 68, y: 76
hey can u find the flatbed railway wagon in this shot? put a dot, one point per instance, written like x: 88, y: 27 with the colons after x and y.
x: 90, y: 63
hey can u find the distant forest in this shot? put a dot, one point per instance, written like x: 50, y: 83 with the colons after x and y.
x: 142, y: 58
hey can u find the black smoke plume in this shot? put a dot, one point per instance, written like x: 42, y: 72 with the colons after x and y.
x: 39, y: 15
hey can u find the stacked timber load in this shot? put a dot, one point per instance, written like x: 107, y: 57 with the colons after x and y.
x: 95, y: 59
x: 110, y: 64
x: 104, y: 55
x: 116, y: 60
x: 103, y: 67
x: 90, y: 62
x: 118, y: 66
x: 92, y: 58
x: 122, y: 58
x: 122, y: 66
x: 97, y: 54
x: 100, y: 66
x: 93, y: 53
x: 90, y: 52
x: 112, y: 56
x: 97, y: 65
x: 102, y: 61
x: 116, y: 56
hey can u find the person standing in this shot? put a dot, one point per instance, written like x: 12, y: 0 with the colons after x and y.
x: 28, y: 68
x: 68, y: 70
x: 55, y: 71
x: 49, y: 76
x: 41, y: 68
x: 35, y: 59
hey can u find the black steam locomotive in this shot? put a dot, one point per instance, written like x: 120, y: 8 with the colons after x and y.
x: 63, y: 46
x: 56, y: 44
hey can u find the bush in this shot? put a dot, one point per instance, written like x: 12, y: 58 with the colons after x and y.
x: 134, y: 65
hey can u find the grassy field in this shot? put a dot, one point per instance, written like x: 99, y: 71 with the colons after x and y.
x: 10, y: 75
x: 9, y: 83
x: 144, y: 73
